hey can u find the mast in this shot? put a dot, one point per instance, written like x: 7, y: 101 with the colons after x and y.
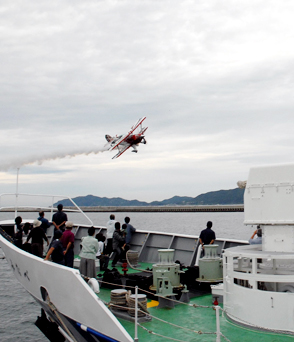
x: 16, y: 193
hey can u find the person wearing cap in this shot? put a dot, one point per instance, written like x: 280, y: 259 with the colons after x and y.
x: 56, y: 249
x: 68, y: 240
x: 37, y: 235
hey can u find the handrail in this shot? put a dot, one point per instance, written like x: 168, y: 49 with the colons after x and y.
x: 49, y: 207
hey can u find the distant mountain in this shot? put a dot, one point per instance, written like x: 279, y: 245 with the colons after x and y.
x: 94, y: 201
x: 221, y: 197
x: 233, y: 196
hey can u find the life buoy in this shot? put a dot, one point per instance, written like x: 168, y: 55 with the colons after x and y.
x: 94, y: 285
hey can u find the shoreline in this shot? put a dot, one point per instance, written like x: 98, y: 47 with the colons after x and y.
x: 148, y: 209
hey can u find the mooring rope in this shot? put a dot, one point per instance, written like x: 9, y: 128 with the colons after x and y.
x: 142, y: 303
x: 54, y: 310
x: 152, y: 294
x: 119, y: 298
x: 143, y: 311
x: 133, y: 267
x: 199, y: 332
x: 167, y: 337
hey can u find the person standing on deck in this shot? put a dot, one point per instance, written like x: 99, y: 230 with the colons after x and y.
x: 207, y: 236
x: 130, y: 230
x: 56, y: 249
x: 59, y: 219
x: 37, y: 235
x: 45, y: 223
x: 68, y: 240
x: 88, y: 254
x: 110, y: 230
x: 104, y: 259
x: 118, y: 244
x: 19, y: 233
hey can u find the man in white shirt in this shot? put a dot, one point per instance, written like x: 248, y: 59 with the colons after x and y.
x: 104, y: 259
x: 110, y: 230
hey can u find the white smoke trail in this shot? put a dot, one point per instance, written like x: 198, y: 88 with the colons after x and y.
x: 41, y: 159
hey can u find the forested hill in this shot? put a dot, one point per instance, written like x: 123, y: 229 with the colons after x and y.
x: 221, y: 197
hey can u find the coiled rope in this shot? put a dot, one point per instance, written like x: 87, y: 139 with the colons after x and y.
x: 141, y: 311
x: 142, y: 305
x: 152, y: 294
x: 119, y: 298
x: 133, y: 258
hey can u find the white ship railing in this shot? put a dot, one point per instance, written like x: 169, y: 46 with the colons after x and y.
x: 18, y: 197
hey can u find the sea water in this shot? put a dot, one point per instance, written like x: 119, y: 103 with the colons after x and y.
x: 19, y: 311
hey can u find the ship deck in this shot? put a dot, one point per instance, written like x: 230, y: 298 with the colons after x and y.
x: 193, y: 321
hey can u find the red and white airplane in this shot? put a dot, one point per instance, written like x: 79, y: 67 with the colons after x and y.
x: 124, y: 142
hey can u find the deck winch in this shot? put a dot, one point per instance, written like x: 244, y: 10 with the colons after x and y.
x: 210, y: 266
x: 166, y: 274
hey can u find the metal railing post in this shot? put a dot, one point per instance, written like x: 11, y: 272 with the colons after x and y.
x: 218, y: 332
x: 136, y: 315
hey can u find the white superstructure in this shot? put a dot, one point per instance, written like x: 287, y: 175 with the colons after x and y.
x: 259, y: 279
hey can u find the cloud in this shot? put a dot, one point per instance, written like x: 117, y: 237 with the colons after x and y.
x: 214, y: 80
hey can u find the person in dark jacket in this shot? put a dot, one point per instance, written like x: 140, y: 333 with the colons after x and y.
x: 207, y: 236
x: 59, y: 219
x: 118, y: 244
x: 19, y: 233
x: 56, y: 249
x: 37, y: 235
x: 45, y: 223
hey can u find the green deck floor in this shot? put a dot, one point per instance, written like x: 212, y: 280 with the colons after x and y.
x: 198, y: 319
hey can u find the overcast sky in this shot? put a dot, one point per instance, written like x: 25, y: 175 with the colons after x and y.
x: 214, y: 79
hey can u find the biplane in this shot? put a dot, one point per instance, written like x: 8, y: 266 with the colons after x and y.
x: 124, y: 142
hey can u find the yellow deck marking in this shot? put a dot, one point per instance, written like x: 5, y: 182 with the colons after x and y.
x: 152, y: 304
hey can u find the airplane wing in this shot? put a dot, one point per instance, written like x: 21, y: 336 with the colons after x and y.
x: 124, y: 137
x: 119, y: 141
x: 137, y: 124
x: 113, y: 142
x: 143, y: 130
x: 121, y: 151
